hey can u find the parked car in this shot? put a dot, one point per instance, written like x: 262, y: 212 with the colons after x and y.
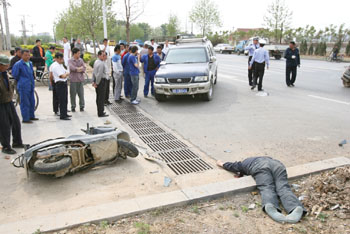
x: 112, y: 43
x: 135, y: 44
x: 224, y: 48
x: 190, y: 68
x: 240, y: 47
x: 139, y: 42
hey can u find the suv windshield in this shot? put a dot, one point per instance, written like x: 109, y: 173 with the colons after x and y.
x: 187, y: 55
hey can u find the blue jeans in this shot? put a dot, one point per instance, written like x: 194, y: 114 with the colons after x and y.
x: 135, y: 87
x: 149, y: 77
x: 127, y: 84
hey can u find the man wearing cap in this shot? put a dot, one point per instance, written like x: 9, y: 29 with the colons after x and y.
x: 38, y: 58
x: 23, y: 72
x: 260, y: 60
x: 9, y: 120
x: 15, y: 59
x: 251, y: 48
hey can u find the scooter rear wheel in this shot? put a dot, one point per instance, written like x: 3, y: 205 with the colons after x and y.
x: 47, y: 167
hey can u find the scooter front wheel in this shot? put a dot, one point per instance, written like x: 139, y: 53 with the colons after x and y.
x: 127, y: 148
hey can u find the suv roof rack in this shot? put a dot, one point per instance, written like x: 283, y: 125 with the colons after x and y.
x: 191, y: 40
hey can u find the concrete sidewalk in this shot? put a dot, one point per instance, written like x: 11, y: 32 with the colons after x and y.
x: 113, y: 211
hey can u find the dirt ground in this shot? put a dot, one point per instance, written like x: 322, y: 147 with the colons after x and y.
x: 242, y: 213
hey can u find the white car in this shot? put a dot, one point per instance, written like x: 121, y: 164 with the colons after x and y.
x: 224, y: 48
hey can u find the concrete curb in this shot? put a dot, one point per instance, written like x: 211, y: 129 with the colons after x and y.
x: 116, y: 210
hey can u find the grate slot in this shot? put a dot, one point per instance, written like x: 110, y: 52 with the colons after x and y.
x: 143, y: 125
x: 149, y: 131
x: 169, y: 145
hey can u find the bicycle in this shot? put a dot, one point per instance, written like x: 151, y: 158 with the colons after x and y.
x: 330, y: 58
x: 16, y: 99
x: 44, y: 76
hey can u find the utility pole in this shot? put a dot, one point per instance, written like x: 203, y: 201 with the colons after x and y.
x: 8, y: 35
x: 24, y: 30
x: 104, y: 18
x: 2, y: 42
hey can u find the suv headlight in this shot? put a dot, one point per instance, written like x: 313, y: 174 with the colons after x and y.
x: 201, y: 79
x: 159, y: 80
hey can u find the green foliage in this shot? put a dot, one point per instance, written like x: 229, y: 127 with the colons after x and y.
x: 311, y: 49
x: 205, y: 15
x: 87, y: 57
x: 303, y: 47
x: 236, y: 214
x: 195, y: 209
x: 347, y: 50
x: 37, y: 231
x: 321, y: 49
x: 278, y: 18
x: 322, y: 217
x: 173, y: 26
x: 244, y: 209
x: 92, y: 62
x: 143, y: 228
x: 104, y: 224
x: 136, y: 32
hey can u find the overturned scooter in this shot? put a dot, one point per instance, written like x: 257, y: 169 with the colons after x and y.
x: 100, y: 145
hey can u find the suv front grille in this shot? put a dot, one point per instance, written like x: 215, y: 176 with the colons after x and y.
x: 179, y: 80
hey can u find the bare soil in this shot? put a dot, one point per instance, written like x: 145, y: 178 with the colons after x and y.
x: 328, y: 192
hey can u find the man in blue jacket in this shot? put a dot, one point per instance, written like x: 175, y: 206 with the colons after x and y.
x: 292, y: 57
x: 151, y: 63
x: 23, y: 72
x: 126, y: 73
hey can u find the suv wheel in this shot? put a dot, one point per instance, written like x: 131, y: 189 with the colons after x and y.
x: 216, y: 78
x: 160, y: 97
x: 209, y: 95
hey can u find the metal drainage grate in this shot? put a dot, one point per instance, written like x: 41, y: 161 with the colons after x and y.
x: 176, y: 154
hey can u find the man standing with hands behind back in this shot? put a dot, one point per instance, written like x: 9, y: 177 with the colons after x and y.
x: 251, y: 48
x: 99, y: 80
x: 292, y: 57
x: 60, y: 76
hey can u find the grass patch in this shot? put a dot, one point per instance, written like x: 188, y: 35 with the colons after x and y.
x: 244, y: 209
x: 104, y: 224
x: 322, y: 217
x: 37, y: 231
x: 143, y: 228
x: 195, y: 209
x: 236, y: 214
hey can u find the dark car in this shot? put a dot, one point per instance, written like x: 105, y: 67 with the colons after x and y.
x: 190, y: 68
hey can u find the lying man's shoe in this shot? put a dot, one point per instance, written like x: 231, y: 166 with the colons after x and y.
x: 274, y: 213
x: 295, y: 215
x: 8, y: 151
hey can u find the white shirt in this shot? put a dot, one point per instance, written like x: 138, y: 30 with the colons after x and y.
x: 108, y: 51
x: 66, y: 53
x: 166, y: 49
x: 58, y: 70
x: 154, y: 47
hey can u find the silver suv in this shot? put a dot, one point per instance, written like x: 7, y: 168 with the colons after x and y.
x: 190, y: 68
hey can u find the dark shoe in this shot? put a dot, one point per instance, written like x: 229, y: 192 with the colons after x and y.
x: 118, y: 101
x: 260, y: 90
x: 104, y: 115
x: 292, y: 85
x: 81, y: 109
x: 253, y: 87
x: 34, y: 119
x: 65, y: 118
x: 146, y: 96
x: 153, y: 94
x: 73, y: 109
x: 108, y: 103
x: 128, y: 97
x: 57, y: 113
x: 8, y: 151
x: 27, y: 122
x: 19, y: 146
x: 68, y: 116
x: 250, y: 84
x: 68, y: 110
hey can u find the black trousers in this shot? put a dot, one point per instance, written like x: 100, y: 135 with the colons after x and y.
x: 113, y: 80
x: 250, y: 71
x: 108, y: 87
x: 55, y: 102
x: 259, y: 74
x: 9, y: 121
x: 62, y: 94
x: 101, y: 97
x: 293, y: 70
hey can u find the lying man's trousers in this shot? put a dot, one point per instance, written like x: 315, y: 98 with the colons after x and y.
x: 271, y: 179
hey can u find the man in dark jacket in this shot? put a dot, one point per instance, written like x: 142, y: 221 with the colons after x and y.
x: 151, y: 63
x: 9, y: 120
x: 292, y: 57
x: 38, y: 58
x: 15, y: 59
x: 272, y: 181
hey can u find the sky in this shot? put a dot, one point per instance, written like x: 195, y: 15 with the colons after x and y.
x: 41, y: 14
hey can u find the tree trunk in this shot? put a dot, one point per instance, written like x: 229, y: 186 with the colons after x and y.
x: 127, y: 27
x: 2, y: 45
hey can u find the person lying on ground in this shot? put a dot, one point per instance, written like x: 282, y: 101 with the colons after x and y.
x: 271, y: 179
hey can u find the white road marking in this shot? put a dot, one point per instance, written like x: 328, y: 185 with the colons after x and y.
x: 330, y: 100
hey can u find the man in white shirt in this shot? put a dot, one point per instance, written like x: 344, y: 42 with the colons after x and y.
x: 154, y: 45
x: 67, y: 53
x: 166, y: 47
x: 117, y: 73
x: 105, y: 47
x: 60, y: 76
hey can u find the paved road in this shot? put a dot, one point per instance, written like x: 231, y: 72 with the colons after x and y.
x: 295, y: 125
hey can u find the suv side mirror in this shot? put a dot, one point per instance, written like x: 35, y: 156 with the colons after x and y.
x: 212, y: 59
x: 162, y: 63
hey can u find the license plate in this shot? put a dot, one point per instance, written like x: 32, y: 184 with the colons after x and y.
x: 179, y: 90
